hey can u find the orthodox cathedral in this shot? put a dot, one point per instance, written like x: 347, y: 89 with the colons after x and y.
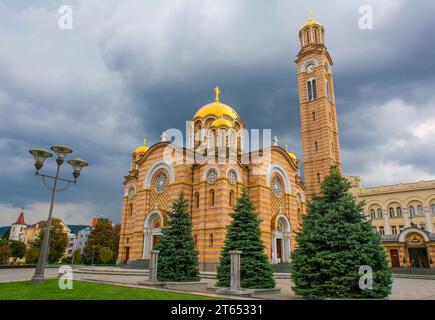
x: 212, y: 181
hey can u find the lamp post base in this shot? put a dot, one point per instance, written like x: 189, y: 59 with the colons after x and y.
x: 38, y: 279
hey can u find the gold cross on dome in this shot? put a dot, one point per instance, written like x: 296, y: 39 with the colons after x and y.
x: 218, y: 91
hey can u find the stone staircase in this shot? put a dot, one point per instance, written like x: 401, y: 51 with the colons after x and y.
x: 136, y: 264
x: 281, y: 268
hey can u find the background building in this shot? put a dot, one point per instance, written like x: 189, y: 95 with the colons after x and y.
x: 404, y: 215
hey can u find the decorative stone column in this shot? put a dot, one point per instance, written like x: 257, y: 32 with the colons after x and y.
x: 387, y: 222
x: 235, y: 270
x: 153, y: 265
x: 286, y: 253
x: 428, y: 220
x: 274, y: 249
x: 146, y: 243
x: 405, y: 214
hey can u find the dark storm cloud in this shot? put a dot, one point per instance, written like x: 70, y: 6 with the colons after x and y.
x: 135, y: 68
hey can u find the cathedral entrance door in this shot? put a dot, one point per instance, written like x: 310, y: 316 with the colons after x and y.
x: 127, y: 254
x: 279, y: 250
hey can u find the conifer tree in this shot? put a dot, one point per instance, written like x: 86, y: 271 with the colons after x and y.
x: 244, y: 234
x: 178, y: 258
x: 335, y: 241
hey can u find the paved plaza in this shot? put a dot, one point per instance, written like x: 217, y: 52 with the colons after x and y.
x: 403, y: 288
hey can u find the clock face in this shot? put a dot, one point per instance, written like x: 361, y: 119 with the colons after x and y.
x: 310, y: 67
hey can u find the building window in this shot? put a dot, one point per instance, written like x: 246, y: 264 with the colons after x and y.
x: 372, y: 214
x: 312, y: 89
x: 420, y: 211
x: 160, y: 181
x: 379, y: 211
x: 130, y: 209
x: 314, y: 116
x: 212, y: 176
x: 412, y: 211
x: 381, y: 231
x: 328, y: 93
x: 399, y: 212
x: 197, y: 200
x: 307, y: 36
x: 211, y: 195
x: 391, y: 212
x: 316, y: 145
x: 195, y: 239
x: 231, y: 200
x: 393, y: 229
x: 210, y: 240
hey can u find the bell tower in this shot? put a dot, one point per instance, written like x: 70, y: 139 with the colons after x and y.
x: 319, y: 129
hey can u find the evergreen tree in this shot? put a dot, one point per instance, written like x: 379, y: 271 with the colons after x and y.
x: 178, y: 258
x: 335, y: 241
x: 244, y: 234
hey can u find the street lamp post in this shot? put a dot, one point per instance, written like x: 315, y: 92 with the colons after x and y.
x: 40, y: 156
x: 93, y: 253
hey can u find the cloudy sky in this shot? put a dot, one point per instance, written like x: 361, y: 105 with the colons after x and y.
x: 131, y: 69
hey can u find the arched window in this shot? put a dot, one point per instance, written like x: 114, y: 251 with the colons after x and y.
x: 412, y: 211
x: 211, y: 196
x: 399, y: 212
x: 197, y: 200
x: 231, y: 199
x: 328, y: 92
x: 210, y: 240
x: 420, y: 211
x: 312, y: 89
x: 379, y: 211
x: 433, y: 209
x: 372, y: 214
x: 307, y: 36
x: 130, y: 209
x: 391, y: 212
x: 316, y: 35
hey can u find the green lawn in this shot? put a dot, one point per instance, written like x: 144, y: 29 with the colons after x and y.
x: 24, y: 290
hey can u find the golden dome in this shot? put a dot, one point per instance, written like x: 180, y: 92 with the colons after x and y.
x: 291, y: 154
x: 141, y: 149
x: 222, y: 122
x: 311, y: 22
x: 217, y: 109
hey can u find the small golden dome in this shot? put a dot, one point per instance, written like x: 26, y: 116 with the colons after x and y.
x: 291, y: 154
x: 141, y: 149
x: 217, y: 109
x: 222, y: 122
x: 311, y: 23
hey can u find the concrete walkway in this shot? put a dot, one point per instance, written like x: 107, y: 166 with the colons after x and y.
x: 403, y: 288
